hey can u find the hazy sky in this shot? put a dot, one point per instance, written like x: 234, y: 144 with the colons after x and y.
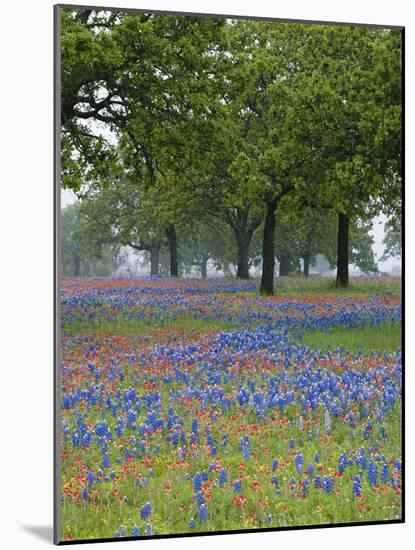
x: 68, y: 197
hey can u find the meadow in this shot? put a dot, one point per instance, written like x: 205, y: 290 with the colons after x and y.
x: 195, y: 406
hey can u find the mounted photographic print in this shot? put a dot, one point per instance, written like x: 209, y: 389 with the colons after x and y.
x: 228, y: 196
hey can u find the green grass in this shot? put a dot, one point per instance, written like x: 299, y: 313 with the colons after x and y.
x: 385, y: 338
x: 297, y: 286
x: 82, y: 521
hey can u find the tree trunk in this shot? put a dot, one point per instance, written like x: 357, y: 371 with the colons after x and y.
x: 242, y: 270
x: 155, y: 258
x: 243, y: 228
x: 76, y: 265
x: 284, y: 265
x: 306, y: 268
x: 343, y: 251
x: 203, y: 266
x: 268, y: 245
x: 172, y: 239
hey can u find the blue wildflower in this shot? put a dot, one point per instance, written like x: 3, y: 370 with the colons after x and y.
x: 203, y: 512
x: 197, y: 482
x: 145, y: 511
x: 299, y: 462
x: 222, y: 477
x: 310, y: 470
x: 372, y: 472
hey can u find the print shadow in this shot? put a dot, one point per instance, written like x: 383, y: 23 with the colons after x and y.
x: 43, y: 532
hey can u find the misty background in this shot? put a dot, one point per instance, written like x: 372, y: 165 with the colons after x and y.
x: 391, y: 266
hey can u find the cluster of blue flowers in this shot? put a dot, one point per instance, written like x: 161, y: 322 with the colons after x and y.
x: 124, y: 400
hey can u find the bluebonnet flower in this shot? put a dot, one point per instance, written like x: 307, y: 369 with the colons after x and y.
x: 357, y: 486
x: 197, y: 482
x: 275, y: 481
x: 101, y: 429
x: 361, y: 458
x: 237, y: 486
x: 145, y: 511
x: 310, y: 470
x: 329, y: 484
x: 192, y: 523
x: 274, y: 464
x: 84, y: 493
x: 269, y: 519
x: 203, y: 512
x: 305, y: 486
x: 245, y: 447
x: 299, y: 462
x: 316, y: 458
x: 76, y: 438
x: 148, y: 530
x: 372, y: 472
x: 222, y: 477
x: 342, y: 462
x: 135, y: 531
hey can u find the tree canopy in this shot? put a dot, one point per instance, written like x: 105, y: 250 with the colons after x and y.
x: 232, y: 141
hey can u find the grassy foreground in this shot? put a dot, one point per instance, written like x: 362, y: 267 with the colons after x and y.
x: 190, y: 410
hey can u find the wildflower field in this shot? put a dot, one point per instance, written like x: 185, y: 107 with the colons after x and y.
x: 191, y: 405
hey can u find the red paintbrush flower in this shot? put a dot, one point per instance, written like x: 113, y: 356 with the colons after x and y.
x: 240, y: 500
